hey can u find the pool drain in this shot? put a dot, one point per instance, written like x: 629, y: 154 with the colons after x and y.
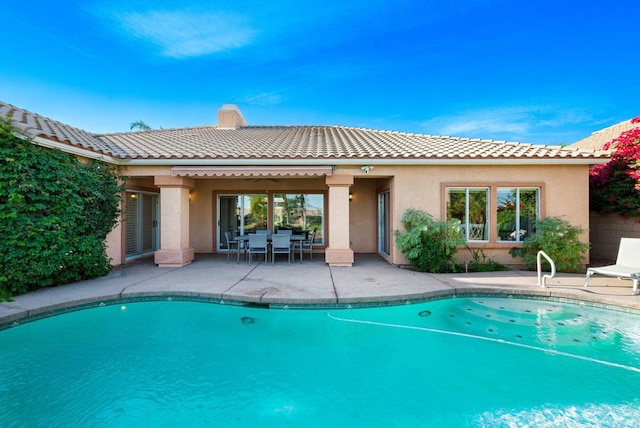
x: 248, y: 320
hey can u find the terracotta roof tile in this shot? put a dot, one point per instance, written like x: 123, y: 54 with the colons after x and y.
x: 330, y: 142
x: 598, y: 139
x: 34, y: 125
x: 280, y: 142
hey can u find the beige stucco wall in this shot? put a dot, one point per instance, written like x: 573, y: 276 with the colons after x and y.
x: 564, y: 193
x: 363, y: 215
x: 115, y: 245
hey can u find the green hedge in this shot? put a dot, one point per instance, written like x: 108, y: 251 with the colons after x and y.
x: 55, y: 213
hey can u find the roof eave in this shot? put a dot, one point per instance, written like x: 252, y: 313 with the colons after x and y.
x: 78, y: 151
x: 369, y: 161
x: 91, y: 154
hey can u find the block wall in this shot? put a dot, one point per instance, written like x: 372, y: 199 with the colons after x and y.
x: 605, y: 233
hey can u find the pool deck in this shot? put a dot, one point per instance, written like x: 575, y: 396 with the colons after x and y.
x: 371, y: 281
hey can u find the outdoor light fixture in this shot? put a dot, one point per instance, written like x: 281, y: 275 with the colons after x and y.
x: 350, y: 196
x: 366, y: 168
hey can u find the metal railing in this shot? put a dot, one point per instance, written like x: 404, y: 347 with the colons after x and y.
x: 542, y: 279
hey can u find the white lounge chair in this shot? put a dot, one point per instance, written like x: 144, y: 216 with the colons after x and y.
x: 627, y: 264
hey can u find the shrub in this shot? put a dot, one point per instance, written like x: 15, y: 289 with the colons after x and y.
x: 560, y: 240
x: 429, y: 244
x: 55, y: 212
x: 615, y: 186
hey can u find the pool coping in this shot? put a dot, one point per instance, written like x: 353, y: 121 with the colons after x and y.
x: 371, y: 282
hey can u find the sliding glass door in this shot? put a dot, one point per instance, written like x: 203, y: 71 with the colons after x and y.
x: 241, y: 214
x: 142, y: 233
x: 384, y: 225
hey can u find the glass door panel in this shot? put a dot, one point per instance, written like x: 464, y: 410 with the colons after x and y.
x: 383, y: 223
x: 301, y: 213
x: 241, y: 214
x: 141, y: 223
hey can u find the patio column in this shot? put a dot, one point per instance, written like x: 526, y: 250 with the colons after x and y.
x: 174, y: 221
x: 339, y: 252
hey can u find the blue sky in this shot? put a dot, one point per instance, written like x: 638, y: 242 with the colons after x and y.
x: 547, y: 72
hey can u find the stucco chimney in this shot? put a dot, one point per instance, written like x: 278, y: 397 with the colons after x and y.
x: 230, y: 117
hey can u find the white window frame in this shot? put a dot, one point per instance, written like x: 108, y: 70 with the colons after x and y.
x: 518, y: 236
x: 466, y: 224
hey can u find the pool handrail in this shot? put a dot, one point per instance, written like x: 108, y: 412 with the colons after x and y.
x: 542, y: 279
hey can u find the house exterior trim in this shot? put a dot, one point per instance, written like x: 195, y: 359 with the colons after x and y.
x: 250, y: 171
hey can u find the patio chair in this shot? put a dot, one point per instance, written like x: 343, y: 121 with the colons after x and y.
x: 280, y: 244
x: 307, y: 245
x: 234, y: 245
x: 627, y: 264
x: 476, y: 232
x: 258, y: 245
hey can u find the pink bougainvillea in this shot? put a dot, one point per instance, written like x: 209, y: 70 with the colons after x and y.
x: 615, y: 186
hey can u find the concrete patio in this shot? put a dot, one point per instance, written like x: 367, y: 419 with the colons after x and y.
x: 312, y: 284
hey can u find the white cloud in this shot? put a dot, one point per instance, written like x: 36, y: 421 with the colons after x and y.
x: 484, y: 125
x: 188, y: 34
x: 520, y: 123
x: 263, y: 99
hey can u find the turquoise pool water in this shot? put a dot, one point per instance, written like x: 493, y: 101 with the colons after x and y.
x: 456, y: 362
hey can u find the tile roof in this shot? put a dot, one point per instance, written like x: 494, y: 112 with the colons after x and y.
x: 260, y: 143
x: 598, y: 139
x: 34, y: 125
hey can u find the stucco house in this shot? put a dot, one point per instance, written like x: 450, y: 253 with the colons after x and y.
x: 186, y: 187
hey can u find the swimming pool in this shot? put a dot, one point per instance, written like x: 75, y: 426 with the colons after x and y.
x: 455, y: 362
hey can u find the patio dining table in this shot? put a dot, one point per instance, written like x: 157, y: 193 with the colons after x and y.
x: 294, y: 238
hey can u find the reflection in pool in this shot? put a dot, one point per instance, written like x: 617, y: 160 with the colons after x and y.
x: 454, y: 362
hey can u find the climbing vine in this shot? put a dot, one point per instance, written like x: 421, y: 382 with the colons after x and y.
x: 55, y: 214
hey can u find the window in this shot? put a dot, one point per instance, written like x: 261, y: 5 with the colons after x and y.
x: 470, y: 205
x: 518, y: 209
x: 511, y: 217
x: 300, y: 213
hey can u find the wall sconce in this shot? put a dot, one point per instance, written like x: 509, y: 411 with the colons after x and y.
x: 366, y: 168
x: 350, y: 196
